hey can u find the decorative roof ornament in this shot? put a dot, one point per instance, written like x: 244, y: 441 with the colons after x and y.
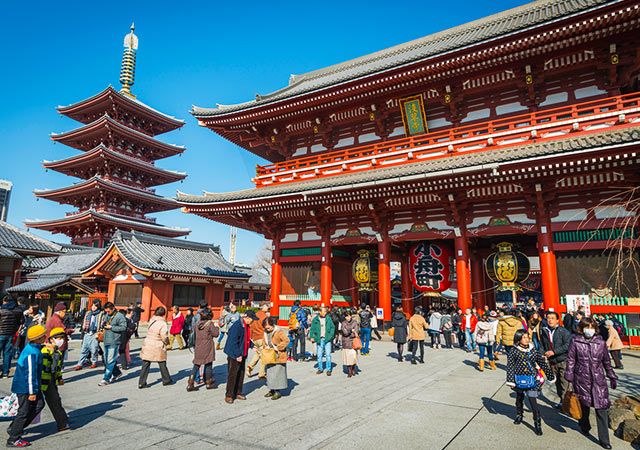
x: 128, y: 69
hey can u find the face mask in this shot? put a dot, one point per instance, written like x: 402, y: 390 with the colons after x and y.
x: 58, y: 342
x: 589, y: 332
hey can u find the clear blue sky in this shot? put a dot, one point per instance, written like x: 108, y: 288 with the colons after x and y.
x: 57, y: 53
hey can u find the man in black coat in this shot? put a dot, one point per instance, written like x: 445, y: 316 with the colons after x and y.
x: 11, y: 317
x: 555, y: 340
x: 137, y: 314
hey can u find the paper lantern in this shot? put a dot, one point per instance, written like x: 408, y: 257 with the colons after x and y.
x: 507, y: 267
x: 429, y: 266
x: 365, y: 270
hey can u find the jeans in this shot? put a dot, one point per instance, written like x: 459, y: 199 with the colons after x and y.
x: 365, y: 336
x: 487, y: 348
x: 435, y: 339
x: 299, y: 336
x: 222, y: 333
x: 460, y: 336
x: 6, y: 349
x: 471, y: 340
x: 208, y: 371
x: 89, y: 349
x: 110, y: 360
x: 324, y: 347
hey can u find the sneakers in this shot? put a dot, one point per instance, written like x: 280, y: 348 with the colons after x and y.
x: 328, y: 373
x: 103, y: 383
x: 276, y: 396
x: 64, y: 428
x: 92, y: 366
x: 19, y: 443
x: 249, y: 369
x: 114, y: 378
x: 76, y: 368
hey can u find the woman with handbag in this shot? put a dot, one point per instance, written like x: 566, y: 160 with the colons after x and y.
x: 204, y: 352
x: 274, y: 357
x: 484, y: 339
x: 524, y: 366
x: 154, y: 348
x: 588, y: 367
x: 349, y: 333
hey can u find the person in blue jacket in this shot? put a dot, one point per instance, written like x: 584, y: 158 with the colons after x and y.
x: 236, y: 349
x: 26, y: 385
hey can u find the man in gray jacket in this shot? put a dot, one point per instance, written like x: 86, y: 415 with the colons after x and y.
x: 554, y: 341
x: 114, y: 325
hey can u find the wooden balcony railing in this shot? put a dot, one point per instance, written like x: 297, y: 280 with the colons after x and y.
x: 554, y: 123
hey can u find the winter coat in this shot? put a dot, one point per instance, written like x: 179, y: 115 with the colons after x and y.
x: 279, y: 341
x: 137, y: 314
x: 456, y: 320
x: 614, y: 342
x: 365, y: 319
x: 154, y: 347
x: 588, y: 365
x: 521, y: 360
x: 507, y: 327
x: 417, y: 325
x: 301, y: 315
x: 447, y: 323
x: 399, y: 323
x: 484, y: 333
x: 315, y: 331
x: 11, y: 317
x: 349, y: 330
x: 473, y: 321
x: 257, y: 330
x: 559, y: 346
x: 237, y: 339
x: 56, y: 322
x: 189, y: 322
x: 204, y: 352
x: 435, y: 322
x: 177, y: 323
x: 26, y: 379
x: 116, y: 334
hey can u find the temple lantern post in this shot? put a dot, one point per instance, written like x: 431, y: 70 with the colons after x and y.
x: 384, y: 274
x: 462, y: 267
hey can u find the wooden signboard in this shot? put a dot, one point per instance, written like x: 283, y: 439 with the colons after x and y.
x: 413, y: 116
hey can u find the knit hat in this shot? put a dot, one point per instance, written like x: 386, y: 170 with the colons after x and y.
x: 60, y: 307
x: 57, y: 332
x: 36, y: 332
x: 493, y: 314
x: 251, y: 314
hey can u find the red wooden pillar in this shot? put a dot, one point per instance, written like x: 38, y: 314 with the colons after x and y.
x: 384, y: 275
x: 276, y: 277
x: 407, y: 287
x: 355, y: 292
x: 462, y: 268
x: 325, y: 272
x: 550, y: 291
x: 477, y: 282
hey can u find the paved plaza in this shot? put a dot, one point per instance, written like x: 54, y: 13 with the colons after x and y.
x: 445, y: 403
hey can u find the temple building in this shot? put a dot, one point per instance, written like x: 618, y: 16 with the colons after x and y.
x: 117, y: 165
x: 486, y: 159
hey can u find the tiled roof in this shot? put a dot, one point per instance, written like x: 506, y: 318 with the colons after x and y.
x: 44, y: 284
x: 8, y: 253
x: 33, y: 264
x: 438, y: 167
x: 256, y: 276
x: 71, y: 263
x: 517, y: 19
x: 17, y: 239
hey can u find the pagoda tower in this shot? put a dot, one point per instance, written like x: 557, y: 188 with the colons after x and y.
x: 116, y: 164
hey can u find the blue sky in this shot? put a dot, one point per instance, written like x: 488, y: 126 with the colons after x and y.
x: 203, y: 53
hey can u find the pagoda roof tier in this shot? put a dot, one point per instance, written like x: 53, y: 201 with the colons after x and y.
x: 113, y: 134
x: 94, y: 191
x: 89, y: 218
x: 130, y: 110
x: 102, y: 159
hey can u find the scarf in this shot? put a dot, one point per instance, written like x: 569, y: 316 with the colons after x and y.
x: 247, y: 338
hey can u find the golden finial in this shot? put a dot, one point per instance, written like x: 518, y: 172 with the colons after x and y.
x: 128, y: 69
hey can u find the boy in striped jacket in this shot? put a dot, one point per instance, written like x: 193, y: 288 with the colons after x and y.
x: 52, y: 360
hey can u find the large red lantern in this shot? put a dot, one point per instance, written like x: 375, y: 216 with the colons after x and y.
x: 429, y: 266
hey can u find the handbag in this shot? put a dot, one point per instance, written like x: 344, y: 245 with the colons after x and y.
x: 571, y: 403
x: 100, y: 336
x: 526, y: 381
x: 357, y: 343
x: 391, y: 331
x: 9, y: 406
x: 268, y: 356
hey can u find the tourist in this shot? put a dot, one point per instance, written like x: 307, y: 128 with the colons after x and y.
x: 435, y: 326
x: 447, y: 328
x: 236, y: 349
x: 485, y: 339
x: 257, y: 337
x: 89, y: 328
x: 52, y: 377
x: 400, y: 324
x: 298, y: 324
x: 154, y: 348
x: 374, y: 327
x: 137, y: 315
x: 315, y: 309
x: 417, y: 325
x: 57, y: 321
x: 336, y: 318
x: 230, y: 318
x: 123, y: 350
x: 554, y: 344
x: 588, y: 364
x: 456, y: 319
x: 365, y: 329
x: 533, y: 326
x: 348, y: 331
x: 222, y: 324
x: 114, y: 325
x: 11, y: 317
x: 276, y: 340
x: 204, y: 352
x: 177, y: 322
x: 321, y: 333
x: 469, y: 322
x: 614, y: 343
x: 619, y: 327
x: 26, y: 386
x: 32, y: 316
x: 187, y: 328
x: 493, y: 320
x: 522, y: 376
x: 507, y: 327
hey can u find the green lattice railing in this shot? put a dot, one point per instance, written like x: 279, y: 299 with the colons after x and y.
x: 603, y: 234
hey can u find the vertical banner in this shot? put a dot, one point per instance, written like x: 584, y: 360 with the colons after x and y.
x: 575, y: 301
x: 413, y: 116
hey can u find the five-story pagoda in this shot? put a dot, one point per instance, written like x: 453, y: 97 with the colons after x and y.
x: 117, y: 164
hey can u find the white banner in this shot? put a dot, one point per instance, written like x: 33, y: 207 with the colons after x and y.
x: 575, y: 301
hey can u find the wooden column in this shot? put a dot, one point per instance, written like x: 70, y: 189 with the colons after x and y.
x: 355, y: 292
x: 550, y: 291
x: 325, y: 271
x: 407, y: 287
x: 147, y: 292
x: 384, y: 275
x: 462, y: 268
x: 477, y: 282
x: 276, y: 277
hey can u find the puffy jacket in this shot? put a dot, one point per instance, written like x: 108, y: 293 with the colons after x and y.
x: 588, y: 366
x: 365, y: 319
x: 560, y: 344
x: 115, y: 334
x: 301, y: 315
x: 51, y: 366
x: 176, y: 324
x: 329, y: 329
x: 507, y: 327
x: 26, y: 380
x: 484, y: 333
x: 435, y: 322
x: 473, y: 321
x: 11, y: 317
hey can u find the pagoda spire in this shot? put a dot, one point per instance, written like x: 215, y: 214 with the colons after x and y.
x: 128, y: 69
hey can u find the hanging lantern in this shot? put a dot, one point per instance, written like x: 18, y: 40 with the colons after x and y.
x: 429, y: 266
x: 507, y: 267
x: 365, y: 270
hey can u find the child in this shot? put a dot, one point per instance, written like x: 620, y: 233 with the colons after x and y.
x: 290, y: 346
x: 26, y: 385
x: 52, y: 377
x: 123, y: 351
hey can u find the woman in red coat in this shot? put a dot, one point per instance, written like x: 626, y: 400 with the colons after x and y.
x: 588, y: 367
x: 175, y: 332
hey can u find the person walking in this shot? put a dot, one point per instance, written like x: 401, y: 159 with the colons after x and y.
x: 534, y: 326
x: 177, y: 323
x: 447, y: 328
x: 154, y: 348
x: 348, y: 331
x: 485, y: 339
x: 257, y: 337
x: 236, y: 349
x: 89, y: 328
x: 336, y: 318
x: 365, y: 329
x: 417, y: 325
x: 137, y: 315
x: 456, y: 320
x: 11, y: 317
x: 114, y: 325
x: 400, y: 324
x: 298, y: 324
x: 187, y: 328
x: 469, y: 322
x: 222, y: 324
x: 435, y: 327
x: 523, y: 362
x: 507, y: 327
x: 123, y: 350
x: 588, y: 367
x: 51, y: 377
x: 275, y: 339
x: 321, y: 333
x: 374, y: 327
x: 554, y: 343
x: 204, y: 353
x: 614, y: 343
x: 57, y: 320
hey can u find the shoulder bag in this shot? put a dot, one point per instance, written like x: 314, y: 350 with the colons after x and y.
x: 526, y: 381
x: 571, y: 403
x: 100, y: 336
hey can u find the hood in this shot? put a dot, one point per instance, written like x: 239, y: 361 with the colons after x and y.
x: 484, y: 325
x: 437, y: 315
x: 511, y: 321
x: 9, y: 305
x: 398, y: 314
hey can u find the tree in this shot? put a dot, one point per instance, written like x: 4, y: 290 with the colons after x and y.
x: 263, y: 259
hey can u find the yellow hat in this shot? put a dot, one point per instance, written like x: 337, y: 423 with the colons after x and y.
x: 36, y: 332
x: 57, y: 331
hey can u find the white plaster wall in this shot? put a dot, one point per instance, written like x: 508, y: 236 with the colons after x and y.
x: 477, y: 115
x: 569, y: 215
x: 339, y: 232
x: 509, y: 108
x: 345, y: 141
x: 520, y: 218
x: 400, y: 228
x: 555, y: 98
x: 398, y: 131
x: 300, y: 151
x: 439, y: 225
x: 437, y: 123
x: 290, y: 237
x: 588, y: 91
x: 310, y: 236
x: 477, y: 221
x: 367, y: 230
x: 317, y: 148
x: 608, y: 212
x: 367, y: 138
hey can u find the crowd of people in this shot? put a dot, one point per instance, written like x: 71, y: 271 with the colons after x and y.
x: 575, y: 356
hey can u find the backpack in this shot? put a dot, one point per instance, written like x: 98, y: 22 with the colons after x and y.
x: 221, y: 321
x: 482, y: 336
x: 294, y: 324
